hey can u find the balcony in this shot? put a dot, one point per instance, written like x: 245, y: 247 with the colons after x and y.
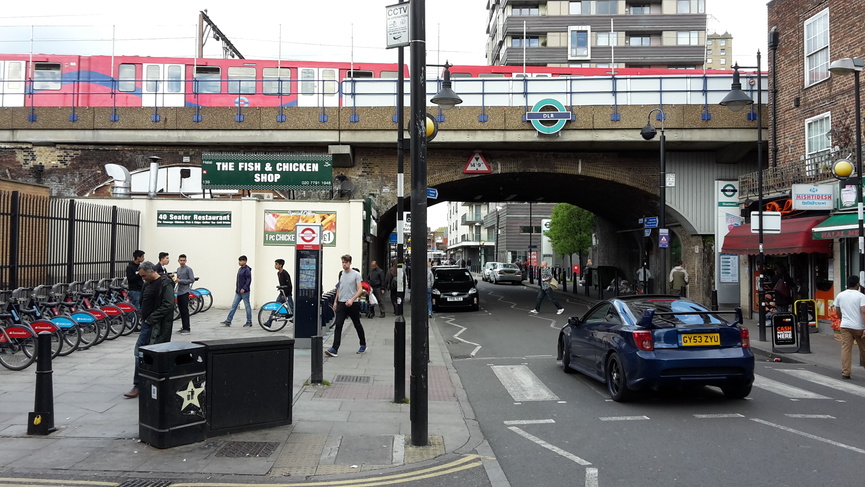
x: 779, y: 180
x: 468, y: 219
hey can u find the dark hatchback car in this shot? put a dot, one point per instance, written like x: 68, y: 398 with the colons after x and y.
x: 454, y: 287
x: 634, y: 343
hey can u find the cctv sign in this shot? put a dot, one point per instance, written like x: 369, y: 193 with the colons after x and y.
x: 308, y: 236
x: 397, y: 23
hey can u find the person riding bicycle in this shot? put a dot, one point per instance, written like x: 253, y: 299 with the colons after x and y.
x: 285, y: 295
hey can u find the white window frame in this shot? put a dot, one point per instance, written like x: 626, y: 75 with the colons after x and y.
x: 606, y: 38
x: 810, y: 151
x: 816, y: 58
x: 580, y: 28
x: 693, y: 38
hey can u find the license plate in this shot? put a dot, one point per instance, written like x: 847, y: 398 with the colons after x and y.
x: 454, y: 299
x: 700, y: 339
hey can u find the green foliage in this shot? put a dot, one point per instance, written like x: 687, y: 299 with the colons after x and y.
x: 571, y: 229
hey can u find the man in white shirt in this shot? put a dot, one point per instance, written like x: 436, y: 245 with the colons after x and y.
x: 850, y: 306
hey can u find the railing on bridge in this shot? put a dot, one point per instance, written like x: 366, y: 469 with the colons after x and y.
x: 812, y: 170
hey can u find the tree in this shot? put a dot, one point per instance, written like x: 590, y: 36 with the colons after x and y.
x: 571, y: 230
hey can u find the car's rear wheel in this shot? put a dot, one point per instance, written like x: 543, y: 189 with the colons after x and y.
x: 617, y: 383
x: 566, y: 357
x: 736, y: 391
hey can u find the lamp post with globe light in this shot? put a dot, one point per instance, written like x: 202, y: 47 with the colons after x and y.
x: 648, y: 133
x: 843, y: 169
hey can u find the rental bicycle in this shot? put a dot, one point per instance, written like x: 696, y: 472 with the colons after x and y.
x: 274, y: 315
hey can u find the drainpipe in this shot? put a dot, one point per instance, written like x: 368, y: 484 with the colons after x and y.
x: 154, y: 173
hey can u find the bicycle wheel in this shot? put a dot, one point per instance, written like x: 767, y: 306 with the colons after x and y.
x: 206, y: 298
x: 101, y: 324
x: 273, y: 316
x: 88, y: 327
x: 195, y: 302
x: 131, y: 315
x: 116, y: 320
x: 70, y: 332
x: 39, y: 326
x: 17, y: 347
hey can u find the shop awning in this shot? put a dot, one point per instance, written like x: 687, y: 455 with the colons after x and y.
x: 844, y: 225
x: 795, y: 237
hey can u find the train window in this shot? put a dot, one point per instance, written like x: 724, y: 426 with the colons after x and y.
x: 329, y: 78
x: 47, y: 76
x: 126, y: 77
x: 14, y: 75
x: 491, y: 75
x: 207, y: 79
x: 460, y: 75
x: 358, y: 74
x: 175, y: 78
x: 152, y: 76
x: 390, y: 74
x: 276, y: 81
x: 307, y: 81
x: 241, y: 79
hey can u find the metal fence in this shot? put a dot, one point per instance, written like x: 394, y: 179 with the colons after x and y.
x: 45, y: 240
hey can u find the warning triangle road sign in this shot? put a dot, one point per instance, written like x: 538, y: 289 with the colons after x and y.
x: 477, y: 165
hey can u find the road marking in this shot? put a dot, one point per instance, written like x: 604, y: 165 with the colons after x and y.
x: 591, y: 477
x: 713, y: 416
x: 522, y: 384
x: 457, y: 336
x: 785, y: 390
x: 810, y: 416
x: 31, y: 481
x: 624, y: 418
x: 529, y: 421
x: 552, y: 448
x: 809, y: 435
x: 838, y: 384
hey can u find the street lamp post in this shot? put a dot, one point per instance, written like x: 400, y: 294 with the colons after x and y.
x: 736, y: 100
x: 854, y: 66
x: 498, y: 256
x: 648, y: 132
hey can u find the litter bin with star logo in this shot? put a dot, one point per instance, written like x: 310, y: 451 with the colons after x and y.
x: 171, y: 404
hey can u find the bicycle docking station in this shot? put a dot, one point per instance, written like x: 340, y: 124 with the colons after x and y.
x: 41, y: 420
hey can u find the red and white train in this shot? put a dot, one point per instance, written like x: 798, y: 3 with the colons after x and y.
x: 134, y: 81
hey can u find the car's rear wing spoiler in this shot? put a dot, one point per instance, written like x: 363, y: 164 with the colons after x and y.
x: 648, y: 318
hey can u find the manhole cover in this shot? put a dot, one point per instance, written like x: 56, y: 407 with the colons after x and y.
x: 357, y: 379
x: 243, y: 449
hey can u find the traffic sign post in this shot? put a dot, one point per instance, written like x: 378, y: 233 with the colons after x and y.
x: 650, y: 222
x: 663, y: 238
x: 432, y: 193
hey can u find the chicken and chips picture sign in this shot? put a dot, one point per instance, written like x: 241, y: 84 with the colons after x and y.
x: 280, y: 227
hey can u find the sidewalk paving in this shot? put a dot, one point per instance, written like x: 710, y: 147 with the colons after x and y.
x: 349, y: 426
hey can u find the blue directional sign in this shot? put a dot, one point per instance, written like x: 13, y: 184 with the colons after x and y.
x: 651, y: 222
x: 432, y: 193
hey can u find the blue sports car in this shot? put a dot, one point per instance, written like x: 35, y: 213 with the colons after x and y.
x: 655, y: 342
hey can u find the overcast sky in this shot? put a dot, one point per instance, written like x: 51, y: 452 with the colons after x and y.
x: 335, y: 30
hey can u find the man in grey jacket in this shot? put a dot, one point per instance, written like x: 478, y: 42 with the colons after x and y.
x: 184, y: 277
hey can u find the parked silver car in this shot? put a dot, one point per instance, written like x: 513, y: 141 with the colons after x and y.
x: 486, y: 272
x: 504, y: 272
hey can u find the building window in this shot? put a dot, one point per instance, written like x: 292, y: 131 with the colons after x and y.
x: 709, y: 51
x: 575, y: 8
x: 723, y: 52
x: 709, y: 42
x: 525, y: 11
x: 817, y: 139
x: 640, y: 10
x: 578, y: 42
x: 817, y: 48
x: 723, y: 42
x: 528, y: 41
x: 606, y: 39
x: 708, y: 60
x: 723, y: 61
x: 640, y: 41
x: 688, y: 38
x: 594, y: 7
x: 690, y: 6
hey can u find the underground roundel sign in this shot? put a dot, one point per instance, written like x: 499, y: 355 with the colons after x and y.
x: 308, y: 236
x: 549, y: 122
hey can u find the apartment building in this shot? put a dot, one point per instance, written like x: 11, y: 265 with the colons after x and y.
x: 719, y: 51
x: 597, y: 33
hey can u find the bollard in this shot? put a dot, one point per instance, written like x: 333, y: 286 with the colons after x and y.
x: 804, y: 337
x: 564, y: 281
x: 399, y: 359
x: 531, y: 274
x: 316, y: 375
x: 41, y: 420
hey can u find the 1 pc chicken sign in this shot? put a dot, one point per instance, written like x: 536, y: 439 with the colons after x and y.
x: 308, y: 236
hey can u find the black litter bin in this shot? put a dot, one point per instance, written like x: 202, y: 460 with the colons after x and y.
x: 171, y: 404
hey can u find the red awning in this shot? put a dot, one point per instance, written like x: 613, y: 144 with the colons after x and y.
x: 795, y: 237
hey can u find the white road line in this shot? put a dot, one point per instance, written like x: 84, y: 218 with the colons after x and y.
x: 810, y: 416
x: 623, y: 418
x: 529, y: 421
x: 552, y: 448
x: 785, y: 390
x: 838, y: 384
x: 522, y: 384
x: 809, y: 435
x: 457, y: 336
x: 591, y: 477
x: 713, y: 416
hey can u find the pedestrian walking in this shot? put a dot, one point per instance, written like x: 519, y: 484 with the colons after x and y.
x: 679, y: 280
x: 347, y: 292
x: 241, y: 292
x: 850, y: 307
x: 376, y: 279
x: 645, y: 279
x: 134, y: 283
x: 284, y: 279
x: 544, y: 290
x: 157, y: 315
x: 184, y: 278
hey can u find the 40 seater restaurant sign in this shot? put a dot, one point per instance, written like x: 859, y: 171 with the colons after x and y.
x: 272, y: 171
